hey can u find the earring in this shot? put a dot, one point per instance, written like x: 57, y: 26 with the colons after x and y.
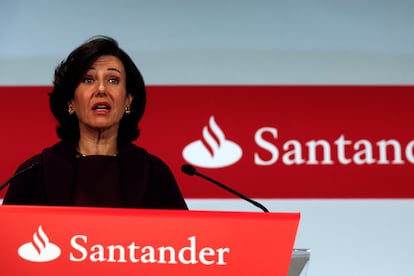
x: 71, y: 111
x: 127, y: 110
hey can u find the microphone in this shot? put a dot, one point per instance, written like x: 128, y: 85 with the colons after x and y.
x: 22, y: 171
x: 190, y: 170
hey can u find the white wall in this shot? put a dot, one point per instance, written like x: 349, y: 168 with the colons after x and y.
x: 184, y: 41
x: 247, y: 42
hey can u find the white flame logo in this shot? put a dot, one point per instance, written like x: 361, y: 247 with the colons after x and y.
x: 213, y: 150
x: 40, y: 250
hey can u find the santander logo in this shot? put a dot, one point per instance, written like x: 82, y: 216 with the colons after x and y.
x: 213, y: 150
x: 40, y: 249
x: 192, y: 253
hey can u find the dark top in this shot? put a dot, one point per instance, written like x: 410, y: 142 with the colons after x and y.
x: 98, y: 182
x: 145, y: 180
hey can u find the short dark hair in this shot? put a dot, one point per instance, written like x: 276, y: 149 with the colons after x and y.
x: 68, y: 75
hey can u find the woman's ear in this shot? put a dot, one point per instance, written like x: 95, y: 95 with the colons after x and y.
x: 129, y: 99
x: 71, y: 109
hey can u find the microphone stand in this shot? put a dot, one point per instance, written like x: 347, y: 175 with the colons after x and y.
x: 34, y: 165
x: 190, y: 170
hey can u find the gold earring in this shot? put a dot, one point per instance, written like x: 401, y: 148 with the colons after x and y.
x: 127, y: 110
x: 71, y: 111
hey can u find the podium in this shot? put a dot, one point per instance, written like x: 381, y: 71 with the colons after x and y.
x: 40, y: 240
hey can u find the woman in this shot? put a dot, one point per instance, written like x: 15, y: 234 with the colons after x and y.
x: 98, y: 99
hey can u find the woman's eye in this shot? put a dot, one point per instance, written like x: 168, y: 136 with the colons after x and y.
x: 113, y: 81
x: 87, y: 80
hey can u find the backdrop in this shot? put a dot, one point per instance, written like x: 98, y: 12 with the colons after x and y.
x: 255, y: 43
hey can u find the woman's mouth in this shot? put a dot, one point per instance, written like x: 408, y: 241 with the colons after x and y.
x: 101, y: 107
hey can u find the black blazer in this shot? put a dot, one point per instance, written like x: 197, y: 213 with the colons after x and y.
x: 146, y: 181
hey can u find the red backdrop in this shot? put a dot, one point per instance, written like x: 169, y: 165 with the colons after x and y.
x: 277, y: 124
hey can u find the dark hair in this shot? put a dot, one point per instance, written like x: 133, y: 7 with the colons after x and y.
x: 68, y: 75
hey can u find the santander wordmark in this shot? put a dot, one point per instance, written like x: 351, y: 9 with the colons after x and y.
x: 146, y: 254
x: 329, y: 152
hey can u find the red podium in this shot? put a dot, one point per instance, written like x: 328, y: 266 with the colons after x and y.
x: 106, y: 241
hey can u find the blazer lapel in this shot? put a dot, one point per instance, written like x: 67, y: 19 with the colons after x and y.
x: 59, y: 172
x: 134, y: 168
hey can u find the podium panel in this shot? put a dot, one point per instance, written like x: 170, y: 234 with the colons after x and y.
x: 39, y: 240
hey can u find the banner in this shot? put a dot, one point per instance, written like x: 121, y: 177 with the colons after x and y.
x: 106, y: 241
x: 264, y: 141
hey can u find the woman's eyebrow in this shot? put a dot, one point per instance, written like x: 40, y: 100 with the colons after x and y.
x: 114, y: 69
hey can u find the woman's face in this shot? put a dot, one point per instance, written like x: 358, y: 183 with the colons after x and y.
x: 101, y: 97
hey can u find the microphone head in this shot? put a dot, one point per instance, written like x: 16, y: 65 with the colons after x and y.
x: 188, y: 169
x: 35, y: 164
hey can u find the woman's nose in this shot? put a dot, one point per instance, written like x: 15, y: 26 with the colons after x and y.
x: 101, y: 89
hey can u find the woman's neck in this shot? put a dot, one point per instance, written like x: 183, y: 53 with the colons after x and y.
x: 97, y: 145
